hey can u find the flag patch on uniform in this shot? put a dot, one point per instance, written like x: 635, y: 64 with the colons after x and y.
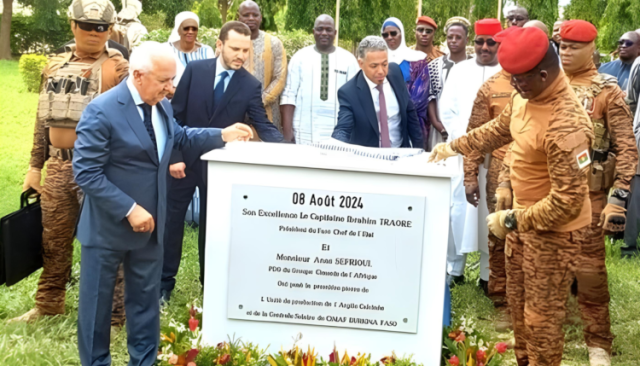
x: 583, y: 159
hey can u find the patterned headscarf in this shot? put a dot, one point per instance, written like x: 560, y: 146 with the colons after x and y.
x: 454, y: 20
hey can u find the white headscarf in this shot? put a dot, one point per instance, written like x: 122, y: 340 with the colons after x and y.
x: 175, y: 36
x: 402, y: 53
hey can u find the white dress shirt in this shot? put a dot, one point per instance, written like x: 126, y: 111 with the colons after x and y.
x: 219, y: 70
x: 157, y: 120
x: 393, y: 110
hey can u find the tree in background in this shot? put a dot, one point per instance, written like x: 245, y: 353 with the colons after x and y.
x: 442, y: 10
x: 545, y: 11
x: 5, y: 30
x: 589, y: 10
x: 301, y: 14
x: 620, y: 16
x: 169, y: 7
x: 207, y: 11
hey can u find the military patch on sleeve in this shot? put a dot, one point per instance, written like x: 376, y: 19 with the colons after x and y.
x: 583, y: 159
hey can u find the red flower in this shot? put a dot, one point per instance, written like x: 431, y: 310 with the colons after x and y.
x: 481, y: 356
x: 193, y: 311
x: 480, y: 364
x: 454, y: 360
x: 460, y: 338
x: 388, y: 360
x: 501, y: 347
x: 333, y: 357
x: 353, y: 360
x: 193, y: 324
x: 223, y: 360
x: 454, y: 334
x: 191, y: 355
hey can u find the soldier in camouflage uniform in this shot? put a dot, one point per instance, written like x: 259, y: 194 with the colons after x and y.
x: 492, y: 98
x: 615, y: 158
x: 551, y: 133
x: 128, y: 30
x: 70, y: 81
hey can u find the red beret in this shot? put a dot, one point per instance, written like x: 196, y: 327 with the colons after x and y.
x: 578, y: 31
x: 487, y: 27
x: 521, y: 49
x: 427, y: 20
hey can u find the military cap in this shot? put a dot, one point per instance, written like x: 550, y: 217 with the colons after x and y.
x: 578, y: 31
x: 92, y: 11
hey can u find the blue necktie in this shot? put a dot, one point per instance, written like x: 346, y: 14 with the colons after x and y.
x: 148, y: 125
x: 218, y: 92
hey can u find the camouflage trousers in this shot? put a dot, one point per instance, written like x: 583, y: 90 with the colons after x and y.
x: 540, y: 270
x: 497, y: 274
x: 60, y: 208
x: 593, y: 288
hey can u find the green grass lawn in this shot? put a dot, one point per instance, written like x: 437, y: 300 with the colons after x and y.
x: 53, y: 341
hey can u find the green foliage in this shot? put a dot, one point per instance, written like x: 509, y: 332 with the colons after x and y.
x: 294, y: 41
x: 359, y: 18
x: 442, y: 10
x: 153, y: 21
x: 31, y: 66
x: 169, y: 7
x: 589, y: 10
x: 208, y: 13
x: 158, y: 35
x: 233, y: 353
x: 545, y: 11
x: 26, y: 37
x: 619, y: 17
x: 269, y: 9
x: 301, y: 14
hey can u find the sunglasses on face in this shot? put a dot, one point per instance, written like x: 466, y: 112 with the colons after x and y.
x: 515, y: 19
x: 192, y: 29
x: 490, y: 42
x: 424, y: 30
x: 387, y: 34
x: 625, y: 43
x: 88, y: 27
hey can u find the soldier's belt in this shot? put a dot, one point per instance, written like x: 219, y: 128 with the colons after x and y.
x: 64, y: 154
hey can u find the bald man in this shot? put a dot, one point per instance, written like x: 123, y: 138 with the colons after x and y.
x: 537, y: 24
x: 628, y: 46
x: 517, y: 17
x: 309, y: 103
x: 267, y: 60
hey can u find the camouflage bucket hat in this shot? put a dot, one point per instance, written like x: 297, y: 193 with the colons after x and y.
x: 92, y: 11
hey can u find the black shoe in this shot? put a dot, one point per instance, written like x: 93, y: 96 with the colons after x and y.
x: 165, y: 296
x: 484, y: 285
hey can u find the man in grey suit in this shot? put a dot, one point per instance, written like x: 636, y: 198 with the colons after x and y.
x: 121, y: 162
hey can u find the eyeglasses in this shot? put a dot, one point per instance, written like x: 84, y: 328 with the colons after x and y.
x: 88, y: 27
x: 392, y: 33
x: 625, y: 43
x: 190, y: 28
x: 490, y: 42
x: 515, y: 18
x: 424, y: 30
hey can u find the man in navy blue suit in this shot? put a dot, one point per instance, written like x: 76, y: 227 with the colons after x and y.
x: 212, y: 93
x: 375, y: 107
x: 121, y: 160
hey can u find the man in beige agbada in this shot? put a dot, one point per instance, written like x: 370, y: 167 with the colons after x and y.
x: 267, y: 61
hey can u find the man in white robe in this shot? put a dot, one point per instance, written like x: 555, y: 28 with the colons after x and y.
x: 468, y: 226
x: 309, y: 103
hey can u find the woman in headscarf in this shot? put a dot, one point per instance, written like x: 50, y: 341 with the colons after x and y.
x: 413, y: 65
x: 183, y: 41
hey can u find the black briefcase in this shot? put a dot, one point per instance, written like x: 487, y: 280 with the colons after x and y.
x: 21, y: 240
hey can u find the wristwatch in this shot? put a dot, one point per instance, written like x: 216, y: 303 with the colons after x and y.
x: 510, y: 221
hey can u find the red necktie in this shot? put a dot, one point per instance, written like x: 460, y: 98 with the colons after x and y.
x: 382, y: 117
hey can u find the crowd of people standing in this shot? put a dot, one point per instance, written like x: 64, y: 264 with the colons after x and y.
x: 548, y: 142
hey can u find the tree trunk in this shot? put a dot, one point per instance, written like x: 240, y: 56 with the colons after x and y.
x: 5, y: 30
x: 223, y: 5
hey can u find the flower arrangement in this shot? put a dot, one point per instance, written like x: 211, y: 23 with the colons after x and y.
x: 180, y: 345
x: 465, y: 346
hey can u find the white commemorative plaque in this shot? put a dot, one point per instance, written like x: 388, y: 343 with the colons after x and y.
x: 325, y: 258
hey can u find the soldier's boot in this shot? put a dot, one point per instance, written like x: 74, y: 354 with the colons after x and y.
x: 28, y: 317
x: 599, y: 357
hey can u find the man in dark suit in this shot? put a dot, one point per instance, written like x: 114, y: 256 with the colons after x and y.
x: 375, y: 107
x: 212, y: 93
x: 121, y: 160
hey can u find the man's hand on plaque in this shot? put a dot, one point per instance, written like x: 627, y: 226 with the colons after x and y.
x: 237, y: 132
x: 177, y: 170
x: 441, y: 151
